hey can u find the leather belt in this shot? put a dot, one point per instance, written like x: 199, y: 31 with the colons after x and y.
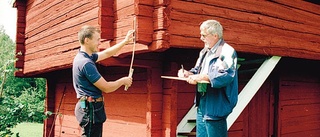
x: 91, y: 99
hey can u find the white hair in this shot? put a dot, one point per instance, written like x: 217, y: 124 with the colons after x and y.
x: 212, y: 27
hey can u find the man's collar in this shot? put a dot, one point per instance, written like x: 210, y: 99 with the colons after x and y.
x: 212, y: 50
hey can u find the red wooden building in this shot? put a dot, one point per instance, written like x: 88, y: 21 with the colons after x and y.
x: 278, y: 44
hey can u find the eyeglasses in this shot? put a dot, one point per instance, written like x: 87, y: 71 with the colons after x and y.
x: 204, y: 35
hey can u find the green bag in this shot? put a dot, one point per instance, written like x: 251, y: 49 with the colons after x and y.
x: 202, y: 87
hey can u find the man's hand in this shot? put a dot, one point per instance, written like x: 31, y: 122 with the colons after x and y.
x: 114, y: 49
x: 182, y: 73
x: 127, y: 81
x: 129, y: 37
x: 194, y: 79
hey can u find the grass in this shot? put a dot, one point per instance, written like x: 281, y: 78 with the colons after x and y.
x: 28, y: 130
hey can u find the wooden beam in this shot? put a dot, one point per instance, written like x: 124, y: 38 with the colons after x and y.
x: 125, y: 62
x: 252, y: 27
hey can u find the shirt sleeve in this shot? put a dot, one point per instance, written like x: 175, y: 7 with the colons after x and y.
x: 91, y: 72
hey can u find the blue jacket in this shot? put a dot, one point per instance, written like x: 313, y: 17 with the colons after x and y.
x: 221, y: 94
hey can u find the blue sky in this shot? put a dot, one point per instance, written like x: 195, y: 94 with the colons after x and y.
x: 8, y: 18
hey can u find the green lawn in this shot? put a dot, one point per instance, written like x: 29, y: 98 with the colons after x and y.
x: 28, y: 130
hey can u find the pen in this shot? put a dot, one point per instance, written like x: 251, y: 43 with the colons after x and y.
x: 182, y: 68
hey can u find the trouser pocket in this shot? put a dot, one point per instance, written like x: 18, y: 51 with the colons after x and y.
x: 99, y: 114
x: 82, y: 115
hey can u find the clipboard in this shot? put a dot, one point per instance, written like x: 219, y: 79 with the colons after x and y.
x: 181, y: 79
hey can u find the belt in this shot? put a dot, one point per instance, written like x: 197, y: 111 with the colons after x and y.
x: 91, y: 99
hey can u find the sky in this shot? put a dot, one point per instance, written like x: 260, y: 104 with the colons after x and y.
x: 8, y: 18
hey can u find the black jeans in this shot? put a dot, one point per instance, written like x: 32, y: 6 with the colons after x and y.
x: 91, y: 118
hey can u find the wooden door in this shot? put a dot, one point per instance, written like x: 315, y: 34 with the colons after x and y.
x: 258, y: 117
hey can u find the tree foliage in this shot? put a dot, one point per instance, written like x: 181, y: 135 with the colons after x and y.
x: 21, y: 99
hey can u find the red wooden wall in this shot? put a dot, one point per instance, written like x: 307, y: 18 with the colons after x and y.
x: 258, y: 117
x: 283, y: 28
x: 299, y: 108
x: 299, y: 105
x: 20, y: 46
x: 136, y: 112
x: 256, y: 120
x: 50, y: 35
x: 286, y: 104
x: 47, y: 38
x: 47, y: 30
x: 127, y: 111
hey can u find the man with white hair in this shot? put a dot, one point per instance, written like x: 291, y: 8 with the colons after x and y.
x: 215, y: 74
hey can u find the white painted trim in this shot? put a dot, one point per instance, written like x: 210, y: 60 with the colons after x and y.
x: 252, y: 88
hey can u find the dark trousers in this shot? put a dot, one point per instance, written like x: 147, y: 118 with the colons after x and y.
x: 94, y: 131
x: 91, y: 119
